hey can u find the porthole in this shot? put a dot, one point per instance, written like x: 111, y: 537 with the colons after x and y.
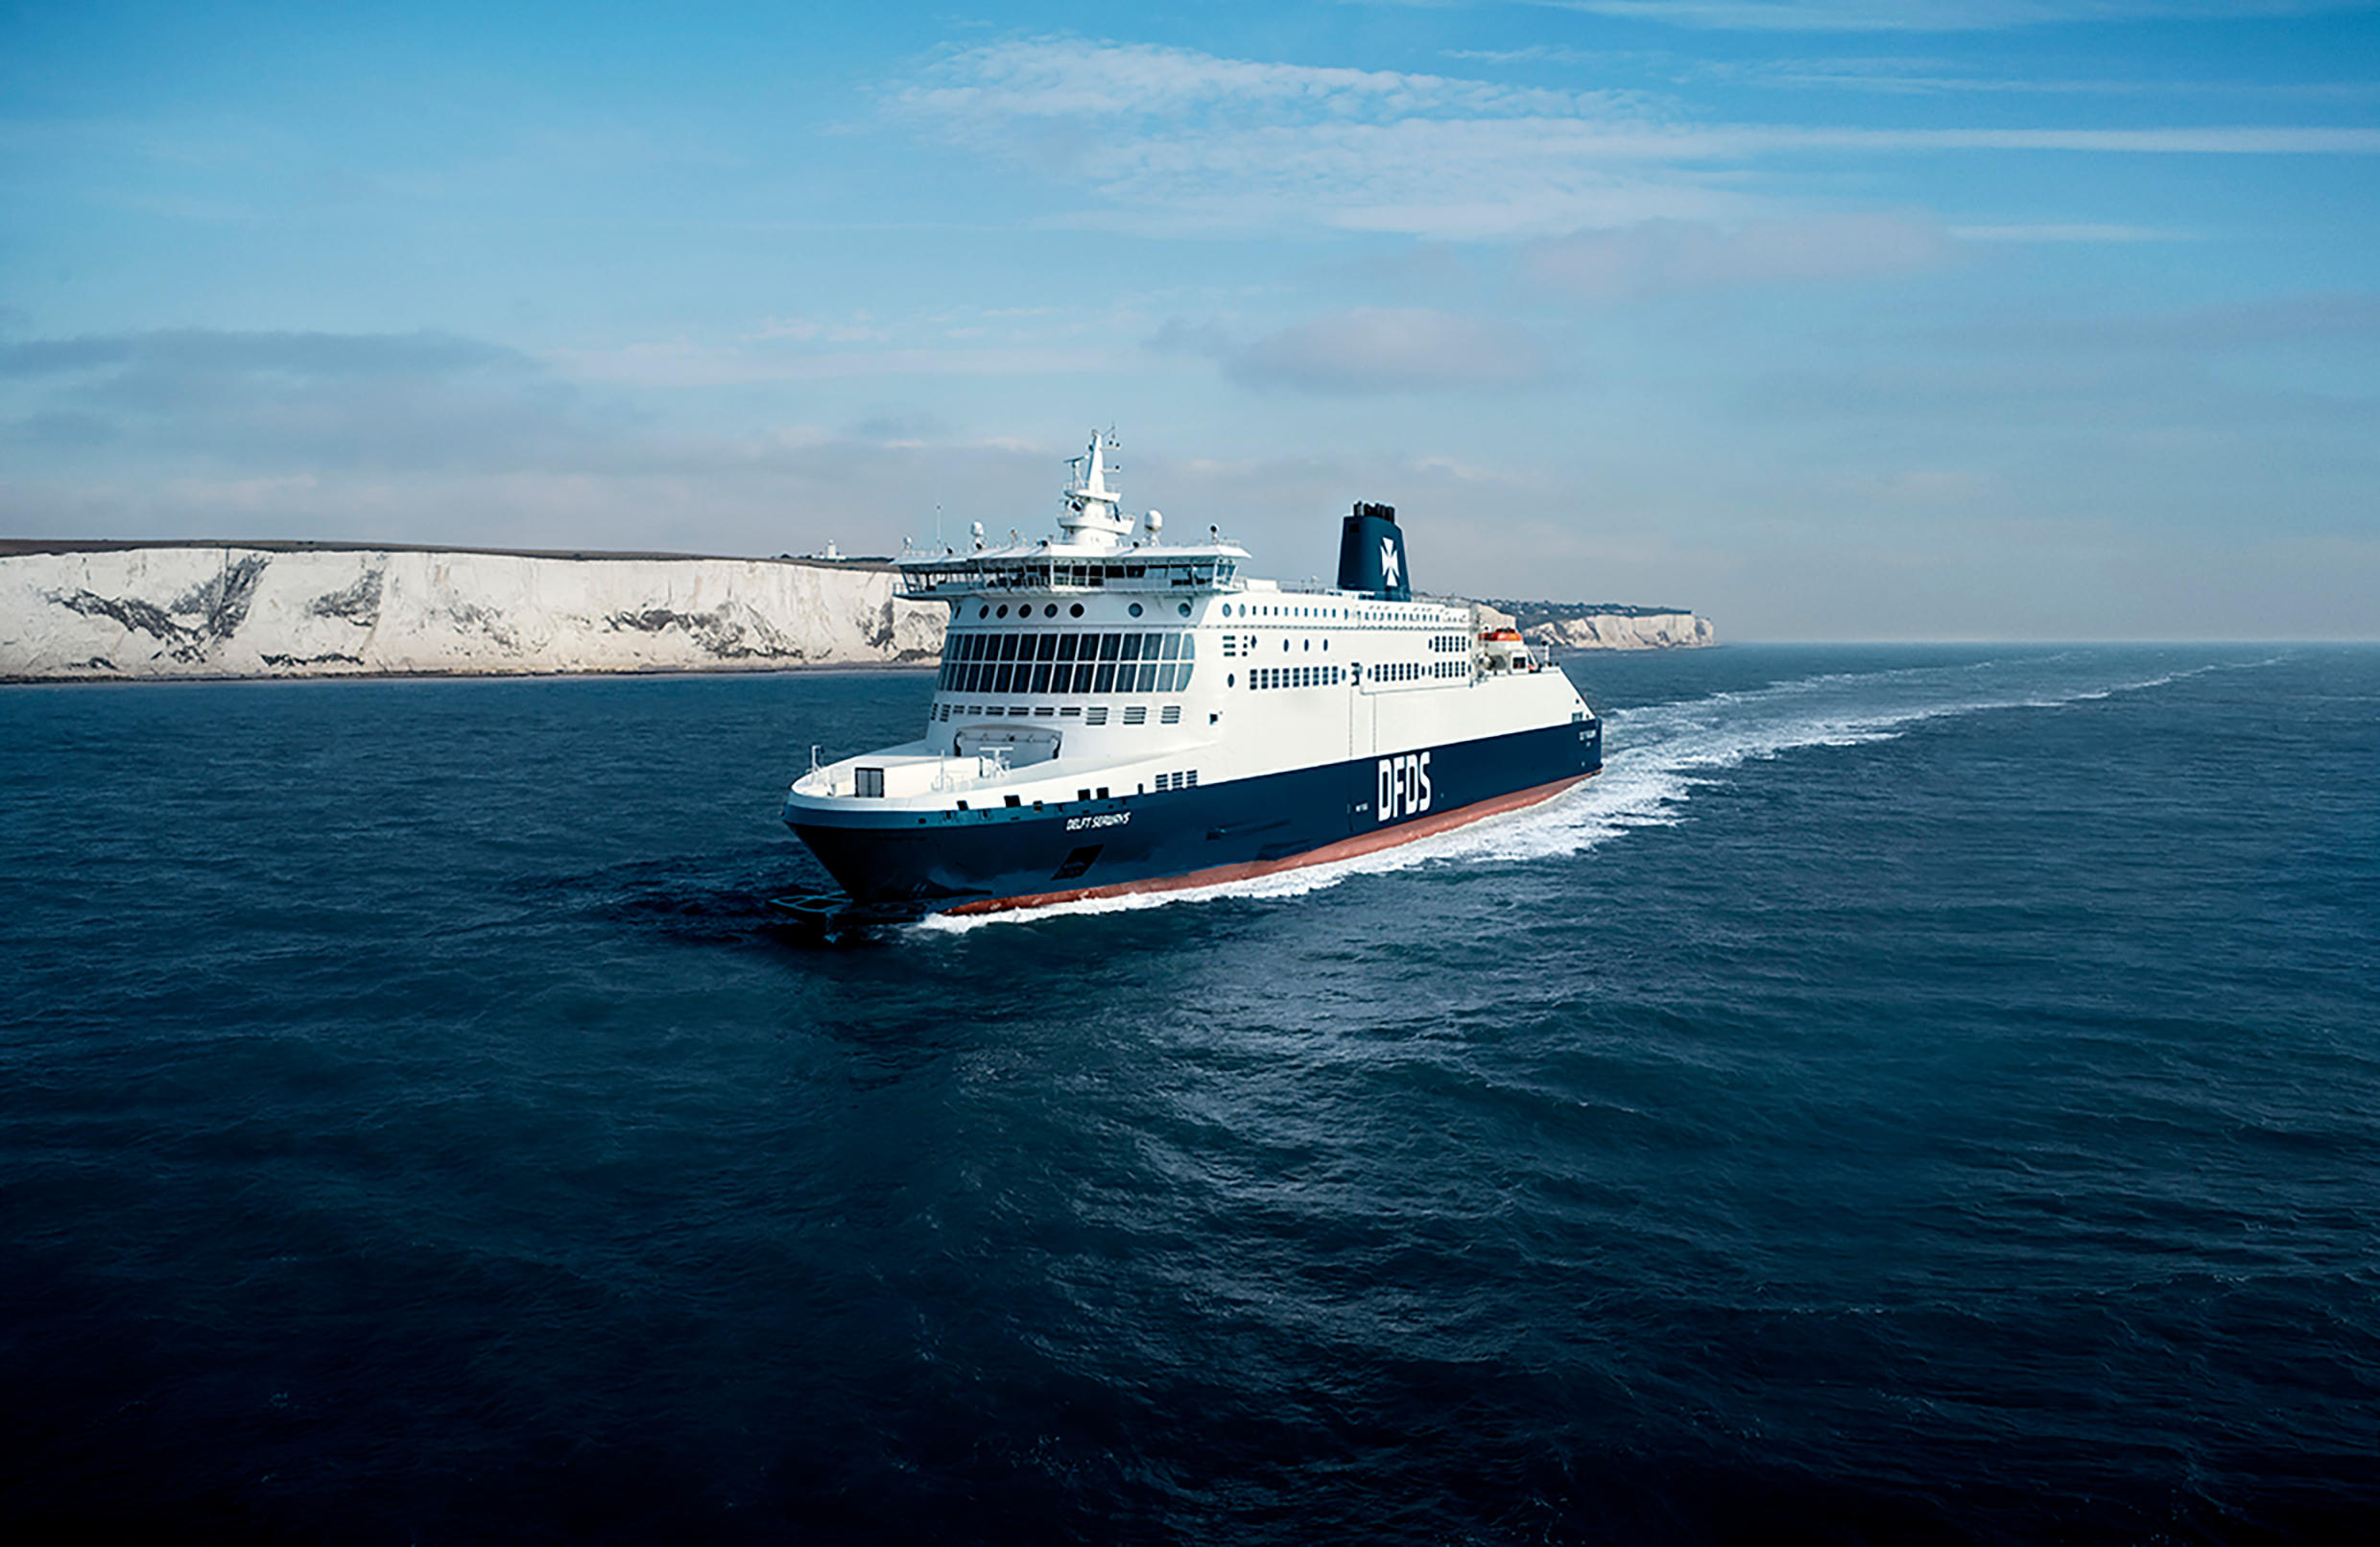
x: 1004, y: 609
x: 1183, y: 608
x: 1050, y: 612
x: 1136, y: 609
x: 1076, y: 610
x: 1231, y: 680
x: 983, y: 612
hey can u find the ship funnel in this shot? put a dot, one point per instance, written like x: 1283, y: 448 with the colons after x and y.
x: 1372, y: 553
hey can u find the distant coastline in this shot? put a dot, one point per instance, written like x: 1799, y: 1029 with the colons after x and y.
x: 1609, y: 625
x: 127, y: 610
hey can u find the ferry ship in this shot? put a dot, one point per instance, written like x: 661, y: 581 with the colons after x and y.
x: 1116, y: 713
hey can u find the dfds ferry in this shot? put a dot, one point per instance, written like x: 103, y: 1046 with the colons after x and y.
x: 1116, y: 713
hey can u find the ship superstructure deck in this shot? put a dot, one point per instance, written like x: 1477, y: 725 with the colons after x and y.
x: 1113, y: 712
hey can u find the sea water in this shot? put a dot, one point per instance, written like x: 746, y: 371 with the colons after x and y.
x: 1912, y: 1092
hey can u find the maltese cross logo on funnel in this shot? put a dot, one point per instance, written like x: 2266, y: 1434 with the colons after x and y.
x: 1387, y: 564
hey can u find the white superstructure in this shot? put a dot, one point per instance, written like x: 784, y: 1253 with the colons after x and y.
x: 1106, y: 663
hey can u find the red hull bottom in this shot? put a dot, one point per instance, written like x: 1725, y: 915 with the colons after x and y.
x: 1346, y: 848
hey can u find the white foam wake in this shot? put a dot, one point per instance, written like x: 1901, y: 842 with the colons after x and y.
x: 1657, y: 755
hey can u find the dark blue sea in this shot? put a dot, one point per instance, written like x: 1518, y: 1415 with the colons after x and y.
x: 1914, y: 1094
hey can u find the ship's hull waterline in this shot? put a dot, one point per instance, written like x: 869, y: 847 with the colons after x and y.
x: 984, y: 861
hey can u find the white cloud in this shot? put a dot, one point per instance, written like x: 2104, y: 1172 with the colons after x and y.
x: 684, y: 364
x: 1926, y: 15
x: 1383, y: 350
x: 1662, y: 257
x: 2067, y: 233
x: 2220, y: 139
x: 1927, y: 76
x: 1075, y: 78
x: 1172, y: 141
x: 858, y: 328
x: 2342, y: 318
x: 438, y: 437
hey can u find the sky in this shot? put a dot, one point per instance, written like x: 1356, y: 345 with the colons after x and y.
x: 1826, y: 318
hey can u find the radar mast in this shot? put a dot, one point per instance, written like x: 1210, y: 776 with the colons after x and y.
x: 1094, y: 516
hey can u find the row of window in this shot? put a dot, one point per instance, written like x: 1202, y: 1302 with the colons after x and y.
x: 1269, y: 676
x: 1134, y: 714
x: 979, y: 574
x: 1345, y: 614
x: 1081, y: 677
x: 1450, y: 643
x: 868, y: 782
x: 1247, y: 611
x: 999, y: 646
x: 1024, y: 612
x: 1068, y: 663
x: 1415, y: 671
x: 1165, y: 783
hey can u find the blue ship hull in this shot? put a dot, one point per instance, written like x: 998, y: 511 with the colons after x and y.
x: 967, y: 860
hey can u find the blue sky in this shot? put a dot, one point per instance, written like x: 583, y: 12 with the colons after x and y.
x: 2028, y: 319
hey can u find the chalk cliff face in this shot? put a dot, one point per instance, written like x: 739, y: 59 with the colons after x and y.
x: 306, y: 610
x: 1649, y: 630
x: 238, y: 612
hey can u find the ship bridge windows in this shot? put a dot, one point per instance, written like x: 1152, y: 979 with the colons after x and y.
x: 1186, y: 573
x: 1011, y: 661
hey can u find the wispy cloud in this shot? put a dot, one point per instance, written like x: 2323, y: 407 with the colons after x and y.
x: 1372, y: 350
x: 192, y: 352
x: 684, y: 363
x: 1662, y: 257
x: 1926, y: 15
x: 2078, y: 232
x: 311, y: 399
x: 438, y: 437
x: 2337, y: 317
x: 1906, y: 75
x: 1072, y: 78
x: 1170, y: 140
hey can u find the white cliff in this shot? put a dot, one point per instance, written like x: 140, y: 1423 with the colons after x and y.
x: 1616, y: 630
x: 101, y: 611
x: 302, y: 610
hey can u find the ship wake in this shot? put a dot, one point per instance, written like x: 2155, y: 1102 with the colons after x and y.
x: 1660, y: 754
